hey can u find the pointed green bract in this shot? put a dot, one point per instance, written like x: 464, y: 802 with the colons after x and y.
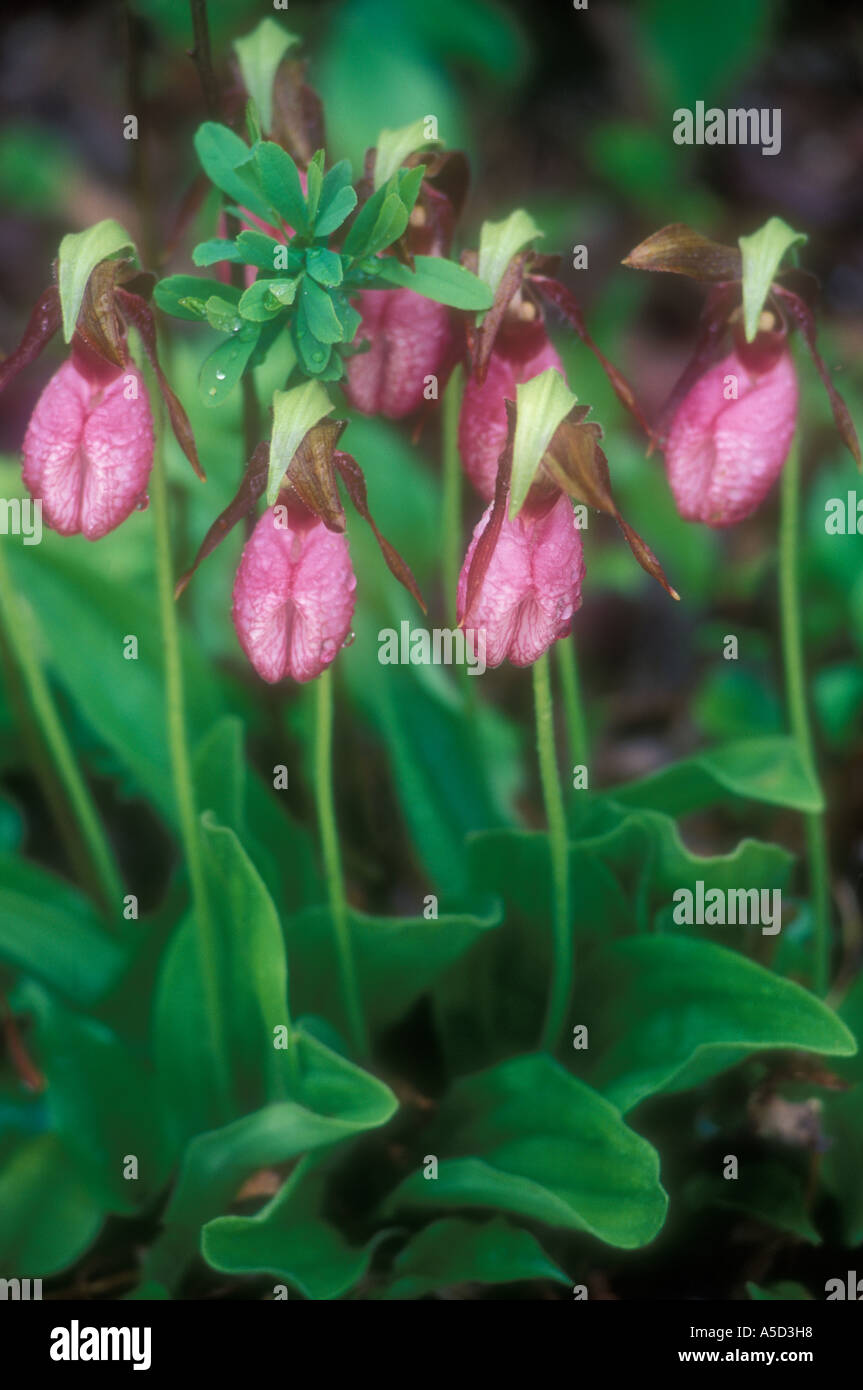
x: 259, y: 54
x: 500, y: 241
x: 541, y: 404
x: 295, y: 412
x: 394, y: 147
x: 763, y: 254
x: 79, y: 254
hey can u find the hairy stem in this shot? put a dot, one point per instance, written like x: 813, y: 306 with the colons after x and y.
x: 562, y: 971
x: 451, y: 521
x: 181, y: 769
x: 57, y: 760
x: 573, y: 708
x: 202, y: 57
x: 333, y: 862
x: 798, y: 713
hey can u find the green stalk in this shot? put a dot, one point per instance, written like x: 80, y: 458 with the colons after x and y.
x: 562, y: 971
x: 451, y: 518
x: 59, y: 763
x: 798, y: 713
x: 333, y: 862
x: 573, y: 708
x: 181, y: 768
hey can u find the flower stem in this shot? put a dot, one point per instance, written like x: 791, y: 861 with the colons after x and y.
x: 562, y: 972
x: 60, y: 765
x: 798, y: 714
x: 181, y: 768
x: 573, y: 708
x: 333, y: 862
x: 451, y: 519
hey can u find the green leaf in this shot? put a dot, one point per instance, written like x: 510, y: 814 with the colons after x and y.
x: 768, y: 1192
x: 394, y: 146
x: 48, y: 1216
x: 185, y: 296
x: 223, y: 368
x: 320, y: 316
x: 766, y: 769
x: 79, y: 254
x: 763, y: 253
x: 384, y: 216
x: 252, y: 973
x: 526, y: 1137
x: 266, y: 298
x: 281, y: 181
x: 335, y: 1101
x: 324, y: 266
x: 221, y: 154
x: 444, y: 281
x: 397, y: 959
x: 260, y: 53
x: 338, y: 199
x: 783, y: 1292
x: 215, y: 250
x: 222, y: 314
x: 500, y: 241
x: 50, y: 932
x: 314, y: 185
x: 103, y: 1103
x: 452, y: 1252
x: 287, y: 1240
x: 295, y: 412
x: 260, y: 250
x: 541, y: 404
x: 666, y: 1014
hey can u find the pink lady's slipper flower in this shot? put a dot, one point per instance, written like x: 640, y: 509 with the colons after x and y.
x: 730, y: 437
x: 293, y: 595
x: 88, y: 449
x: 411, y: 339
x: 520, y: 353
x: 531, y: 587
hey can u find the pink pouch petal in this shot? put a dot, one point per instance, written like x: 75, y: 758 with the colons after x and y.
x: 411, y: 338
x: 293, y: 598
x: 724, y: 455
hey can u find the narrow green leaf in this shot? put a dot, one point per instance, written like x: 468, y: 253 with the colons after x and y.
x: 453, y: 1252
x: 337, y: 199
x: 281, y: 180
x: 320, y: 315
x: 222, y: 154
x: 215, y: 250
x: 444, y: 281
x: 185, y: 296
x: 223, y: 368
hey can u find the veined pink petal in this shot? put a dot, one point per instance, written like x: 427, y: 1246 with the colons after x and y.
x: 517, y: 357
x: 88, y: 450
x: 410, y: 339
x: 724, y: 455
x: 293, y: 597
x: 532, y: 586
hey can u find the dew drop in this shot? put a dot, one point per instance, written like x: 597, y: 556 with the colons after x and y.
x: 142, y: 503
x: 220, y: 376
x: 350, y: 639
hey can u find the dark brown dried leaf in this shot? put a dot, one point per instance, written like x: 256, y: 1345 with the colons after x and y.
x: 252, y: 486
x: 41, y: 327
x: 805, y: 321
x: 564, y: 300
x: 579, y: 467
x: 311, y: 473
x: 137, y: 312
x: 352, y: 476
x: 488, y: 540
x: 481, y: 340
x: 681, y: 251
